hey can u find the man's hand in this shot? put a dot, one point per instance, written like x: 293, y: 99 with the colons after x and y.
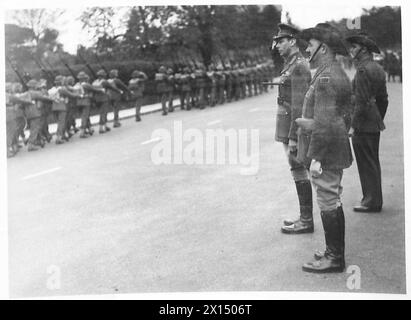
x: 292, y: 146
x: 351, y: 132
x: 315, y: 168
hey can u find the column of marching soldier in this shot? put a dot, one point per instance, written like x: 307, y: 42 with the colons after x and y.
x: 68, y: 99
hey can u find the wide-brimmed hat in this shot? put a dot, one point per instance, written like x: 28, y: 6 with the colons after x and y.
x: 327, y: 34
x: 365, y: 40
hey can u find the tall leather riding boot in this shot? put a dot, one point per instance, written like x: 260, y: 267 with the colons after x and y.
x: 334, y: 231
x: 305, y: 223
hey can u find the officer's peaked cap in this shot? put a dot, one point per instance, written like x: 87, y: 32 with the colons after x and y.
x: 286, y: 31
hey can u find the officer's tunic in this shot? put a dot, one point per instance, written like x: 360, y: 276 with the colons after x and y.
x: 326, y: 103
x: 295, y: 78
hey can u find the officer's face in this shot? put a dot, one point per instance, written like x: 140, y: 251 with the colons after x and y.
x: 355, y: 50
x: 284, y: 46
x: 312, y: 50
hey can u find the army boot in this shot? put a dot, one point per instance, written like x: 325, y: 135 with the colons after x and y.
x: 116, y: 124
x: 334, y: 231
x: 83, y: 134
x: 138, y: 118
x: 102, y: 129
x: 305, y: 223
x: 32, y: 147
x: 59, y: 140
x: 107, y: 128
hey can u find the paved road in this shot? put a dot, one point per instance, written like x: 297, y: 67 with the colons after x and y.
x: 99, y: 214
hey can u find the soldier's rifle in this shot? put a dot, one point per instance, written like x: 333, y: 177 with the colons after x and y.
x: 64, y: 62
x: 100, y: 64
x: 93, y: 73
x: 48, y: 75
x: 16, y: 71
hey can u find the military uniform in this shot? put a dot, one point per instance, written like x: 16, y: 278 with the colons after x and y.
x: 323, y: 142
x: 136, y: 88
x: 33, y: 114
x: 115, y: 96
x: 185, y: 87
x: 60, y: 107
x: 212, y: 79
x: 84, y: 103
x: 162, y: 88
x: 371, y: 101
x: 101, y: 98
x: 221, y: 84
x: 293, y: 85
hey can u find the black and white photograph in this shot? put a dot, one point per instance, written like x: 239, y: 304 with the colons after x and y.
x: 166, y: 148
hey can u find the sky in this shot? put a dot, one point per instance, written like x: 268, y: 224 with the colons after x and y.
x: 303, y: 14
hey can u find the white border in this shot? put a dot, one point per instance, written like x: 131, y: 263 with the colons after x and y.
x: 406, y: 25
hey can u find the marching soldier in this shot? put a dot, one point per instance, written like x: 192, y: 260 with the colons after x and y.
x: 33, y: 113
x: 229, y: 83
x: 293, y: 84
x: 212, y: 79
x: 136, y: 88
x: 46, y: 112
x: 21, y: 121
x: 116, y: 95
x: 193, y: 85
x: 185, y: 87
x: 221, y: 81
x: 101, y: 98
x: 243, y: 81
x: 249, y: 80
x: 323, y: 140
x: 71, y: 128
x: 170, y: 89
x: 85, y: 90
x: 177, y: 86
x: 371, y: 101
x: 162, y: 88
x: 200, y: 76
x: 61, y: 95
x: 236, y: 82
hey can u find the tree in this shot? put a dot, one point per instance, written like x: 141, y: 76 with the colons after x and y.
x: 37, y: 20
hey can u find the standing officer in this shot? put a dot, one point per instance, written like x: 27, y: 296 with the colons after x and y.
x: 323, y: 140
x: 293, y: 84
x: 136, y: 88
x: 371, y: 101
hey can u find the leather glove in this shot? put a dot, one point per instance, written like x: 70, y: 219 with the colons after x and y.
x: 315, y: 168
